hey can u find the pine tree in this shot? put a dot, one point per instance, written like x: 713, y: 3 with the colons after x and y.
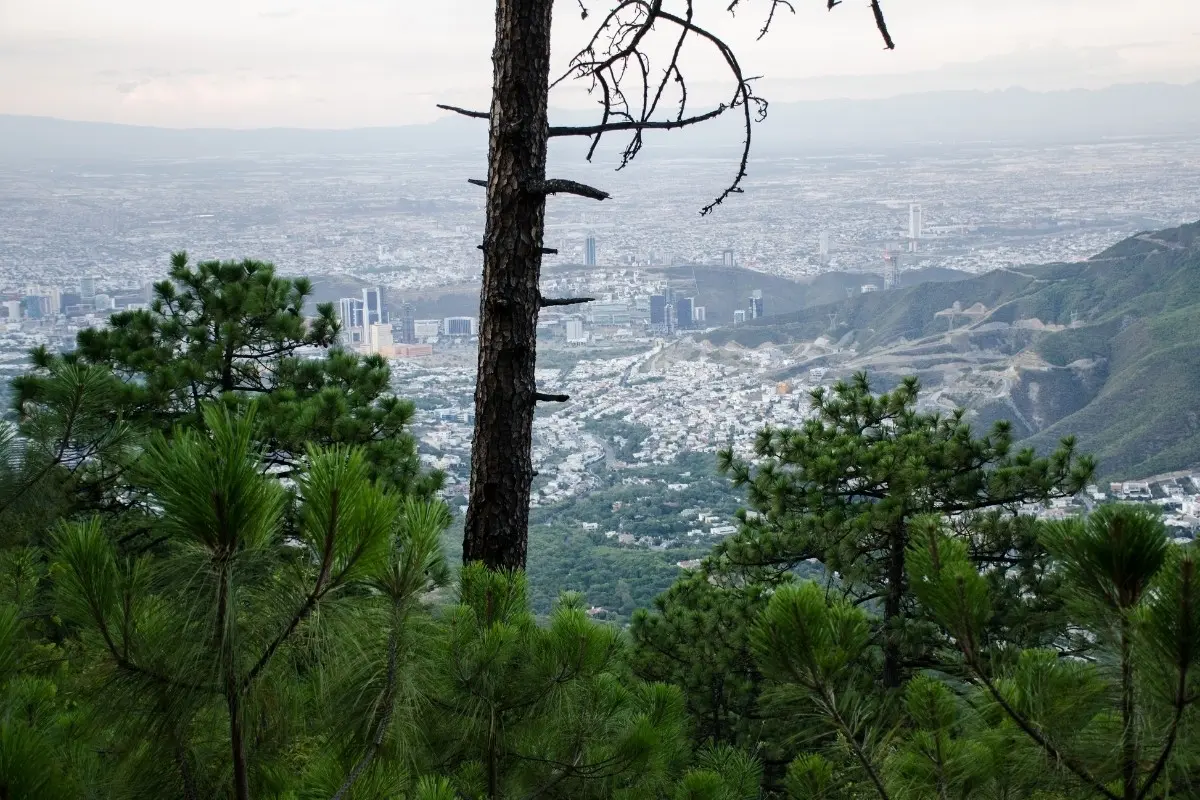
x: 843, y: 489
x: 236, y: 332
x: 698, y: 638
x: 206, y: 652
x: 526, y: 711
x: 66, y: 450
x: 1119, y: 723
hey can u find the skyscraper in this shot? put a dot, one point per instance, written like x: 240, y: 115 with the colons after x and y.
x: 87, y: 288
x: 756, y: 304
x: 914, y: 221
x: 683, y: 313
x: 589, y: 251
x: 372, y: 304
x: 727, y: 258
x: 699, y: 314
x: 350, y: 312
x: 823, y: 247
x: 739, y: 316
x: 891, y: 270
x: 658, y: 310
x: 408, y: 318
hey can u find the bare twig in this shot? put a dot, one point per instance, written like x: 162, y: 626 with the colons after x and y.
x: 465, y: 112
x: 881, y: 23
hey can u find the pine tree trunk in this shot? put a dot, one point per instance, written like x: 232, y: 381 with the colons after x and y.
x: 501, y: 458
x: 892, y: 601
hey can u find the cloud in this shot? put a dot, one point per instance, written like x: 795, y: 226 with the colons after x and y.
x: 380, y: 62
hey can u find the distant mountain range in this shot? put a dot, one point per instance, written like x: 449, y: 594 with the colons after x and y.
x: 1106, y: 349
x: 935, y: 118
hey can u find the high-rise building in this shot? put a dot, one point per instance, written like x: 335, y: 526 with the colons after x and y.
x: 727, y: 258
x: 823, y: 247
x: 891, y: 270
x: 575, y: 331
x: 372, y: 305
x: 350, y: 312
x: 683, y: 313
x: 381, y: 338
x: 699, y: 314
x: 739, y: 317
x: 14, y: 310
x: 35, y: 306
x: 914, y: 221
x: 755, y: 309
x: 589, y: 251
x: 87, y: 288
x: 408, y: 333
x: 658, y: 310
x: 52, y: 293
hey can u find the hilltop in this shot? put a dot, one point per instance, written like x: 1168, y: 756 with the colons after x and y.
x: 1107, y: 349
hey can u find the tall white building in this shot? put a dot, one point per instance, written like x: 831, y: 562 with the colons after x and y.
x: 381, y: 339
x: 699, y: 313
x: 575, y: 331
x: 372, y: 306
x: 914, y: 221
x: 823, y: 246
x: 350, y: 312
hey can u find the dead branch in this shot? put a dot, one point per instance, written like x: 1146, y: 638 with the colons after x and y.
x: 881, y: 23
x: 551, y: 398
x: 561, y: 186
x: 616, y: 65
x: 465, y: 112
x: 548, y: 302
x: 546, y: 251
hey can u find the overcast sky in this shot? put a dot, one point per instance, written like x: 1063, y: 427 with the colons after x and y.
x: 349, y: 63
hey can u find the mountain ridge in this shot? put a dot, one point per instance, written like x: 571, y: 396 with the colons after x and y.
x: 943, y: 117
x: 1106, y: 349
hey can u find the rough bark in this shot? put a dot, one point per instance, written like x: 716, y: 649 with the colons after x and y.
x: 505, y: 395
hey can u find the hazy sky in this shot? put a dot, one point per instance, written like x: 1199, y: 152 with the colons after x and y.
x: 346, y: 63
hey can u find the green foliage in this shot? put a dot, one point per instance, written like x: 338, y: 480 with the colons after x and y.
x: 234, y: 332
x: 208, y: 634
x: 698, y: 638
x: 525, y: 709
x: 844, y: 488
x: 1136, y: 594
x: 67, y: 449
